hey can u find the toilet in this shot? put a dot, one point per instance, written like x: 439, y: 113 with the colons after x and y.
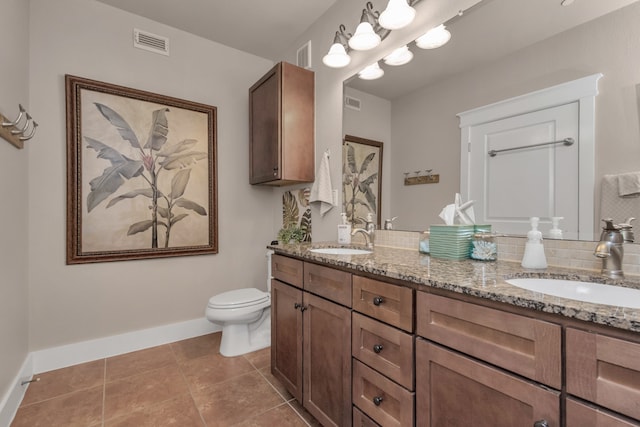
x: 245, y: 317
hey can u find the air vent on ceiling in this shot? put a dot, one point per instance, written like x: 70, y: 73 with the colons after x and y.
x: 303, y: 56
x: 150, y: 42
x: 351, y: 102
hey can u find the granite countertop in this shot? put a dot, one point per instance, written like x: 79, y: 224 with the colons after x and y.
x: 477, y: 278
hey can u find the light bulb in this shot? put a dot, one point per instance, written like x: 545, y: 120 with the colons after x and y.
x: 434, y: 38
x: 398, y: 14
x: 337, y: 56
x: 364, y: 38
x: 371, y: 72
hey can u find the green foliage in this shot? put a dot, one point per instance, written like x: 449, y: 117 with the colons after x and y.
x: 292, y: 233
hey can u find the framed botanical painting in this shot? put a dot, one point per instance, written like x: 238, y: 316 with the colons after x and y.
x: 361, y: 178
x: 141, y: 174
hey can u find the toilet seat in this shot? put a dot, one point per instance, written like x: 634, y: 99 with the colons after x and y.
x: 238, y: 298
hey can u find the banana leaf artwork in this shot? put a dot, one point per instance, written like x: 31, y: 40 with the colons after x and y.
x: 292, y: 205
x: 361, y: 179
x: 141, y: 174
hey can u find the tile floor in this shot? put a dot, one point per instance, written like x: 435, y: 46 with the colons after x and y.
x: 186, y: 383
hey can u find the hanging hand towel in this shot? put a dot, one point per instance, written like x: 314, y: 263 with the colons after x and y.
x: 629, y: 184
x: 321, y: 191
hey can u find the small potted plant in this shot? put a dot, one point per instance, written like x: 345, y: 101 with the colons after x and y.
x: 291, y: 234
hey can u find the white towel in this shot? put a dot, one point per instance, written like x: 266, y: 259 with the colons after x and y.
x: 629, y: 184
x: 616, y: 207
x: 321, y: 191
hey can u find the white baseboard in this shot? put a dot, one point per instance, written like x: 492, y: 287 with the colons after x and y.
x: 11, y: 402
x: 86, y: 351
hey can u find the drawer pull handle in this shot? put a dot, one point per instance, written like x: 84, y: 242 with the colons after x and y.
x: 378, y: 300
x: 378, y: 348
x: 541, y: 423
x: 377, y: 400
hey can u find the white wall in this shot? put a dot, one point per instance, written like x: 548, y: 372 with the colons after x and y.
x: 81, y: 302
x: 14, y: 67
x: 372, y: 121
x: 425, y: 126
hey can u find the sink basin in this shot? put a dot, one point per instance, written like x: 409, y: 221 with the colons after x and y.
x: 340, y: 251
x: 582, y: 291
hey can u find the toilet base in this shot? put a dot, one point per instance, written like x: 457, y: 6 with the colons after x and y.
x: 241, y: 338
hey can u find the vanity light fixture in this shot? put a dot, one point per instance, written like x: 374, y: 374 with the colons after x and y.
x: 398, y: 14
x: 400, y: 56
x: 365, y: 37
x: 371, y: 72
x: 338, y: 56
x: 434, y: 38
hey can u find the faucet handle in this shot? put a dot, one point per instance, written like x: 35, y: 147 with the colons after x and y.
x: 609, y: 225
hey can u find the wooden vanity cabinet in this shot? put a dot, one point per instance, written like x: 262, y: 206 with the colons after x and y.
x: 281, y: 127
x: 383, y: 353
x: 604, y: 370
x: 480, y: 364
x: 311, y: 338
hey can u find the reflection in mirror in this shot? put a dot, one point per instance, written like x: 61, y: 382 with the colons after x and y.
x: 500, y: 50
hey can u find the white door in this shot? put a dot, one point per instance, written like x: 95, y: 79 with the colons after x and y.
x: 521, y: 182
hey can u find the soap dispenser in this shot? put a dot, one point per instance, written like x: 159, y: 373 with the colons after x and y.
x: 555, y: 232
x: 533, y: 250
x: 344, y: 230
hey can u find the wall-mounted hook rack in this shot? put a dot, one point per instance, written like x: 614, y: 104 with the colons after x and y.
x: 18, y: 130
x: 421, y: 177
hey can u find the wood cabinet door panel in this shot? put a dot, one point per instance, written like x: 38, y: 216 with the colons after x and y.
x: 581, y: 415
x: 328, y: 282
x: 287, y: 270
x: 327, y: 361
x: 384, y: 401
x: 523, y: 345
x: 265, y: 125
x: 286, y: 337
x: 604, y: 370
x: 389, y: 303
x: 455, y: 390
x: 386, y: 349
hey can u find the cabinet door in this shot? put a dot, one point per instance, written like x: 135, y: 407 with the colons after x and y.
x: 265, y: 129
x: 286, y: 336
x: 454, y: 390
x: 604, y: 370
x: 581, y: 415
x: 327, y: 361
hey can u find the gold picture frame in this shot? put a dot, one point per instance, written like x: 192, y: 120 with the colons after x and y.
x: 141, y: 174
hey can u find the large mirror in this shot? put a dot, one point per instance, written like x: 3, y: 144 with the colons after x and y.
x: 499, y: 49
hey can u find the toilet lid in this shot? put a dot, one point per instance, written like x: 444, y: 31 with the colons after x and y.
x: 238, y: 298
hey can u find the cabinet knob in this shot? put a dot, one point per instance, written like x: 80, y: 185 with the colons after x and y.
x: 297, y: 305
x: 377, y: 400
x: 377, y: 348
x: 378, y: 300
x: 541, y: 423
x: 303, y: 308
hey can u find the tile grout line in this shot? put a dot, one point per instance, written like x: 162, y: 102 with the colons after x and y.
x: 204, y: 423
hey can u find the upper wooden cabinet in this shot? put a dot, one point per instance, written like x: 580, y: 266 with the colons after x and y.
x: 281, y: 127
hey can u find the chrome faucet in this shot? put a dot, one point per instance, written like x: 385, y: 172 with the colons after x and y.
x: 610, y: 249
x: 369, y: 231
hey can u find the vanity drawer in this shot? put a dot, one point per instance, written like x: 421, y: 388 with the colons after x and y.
x: 287, y: 270
x: 386, y: 349
x: 579, y: 414
x: 328, y: 282
x: 381, y: 399
x: 361, y: 420
x: 389, y: 303
x: 520, y: 344
x: 604, y: 370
